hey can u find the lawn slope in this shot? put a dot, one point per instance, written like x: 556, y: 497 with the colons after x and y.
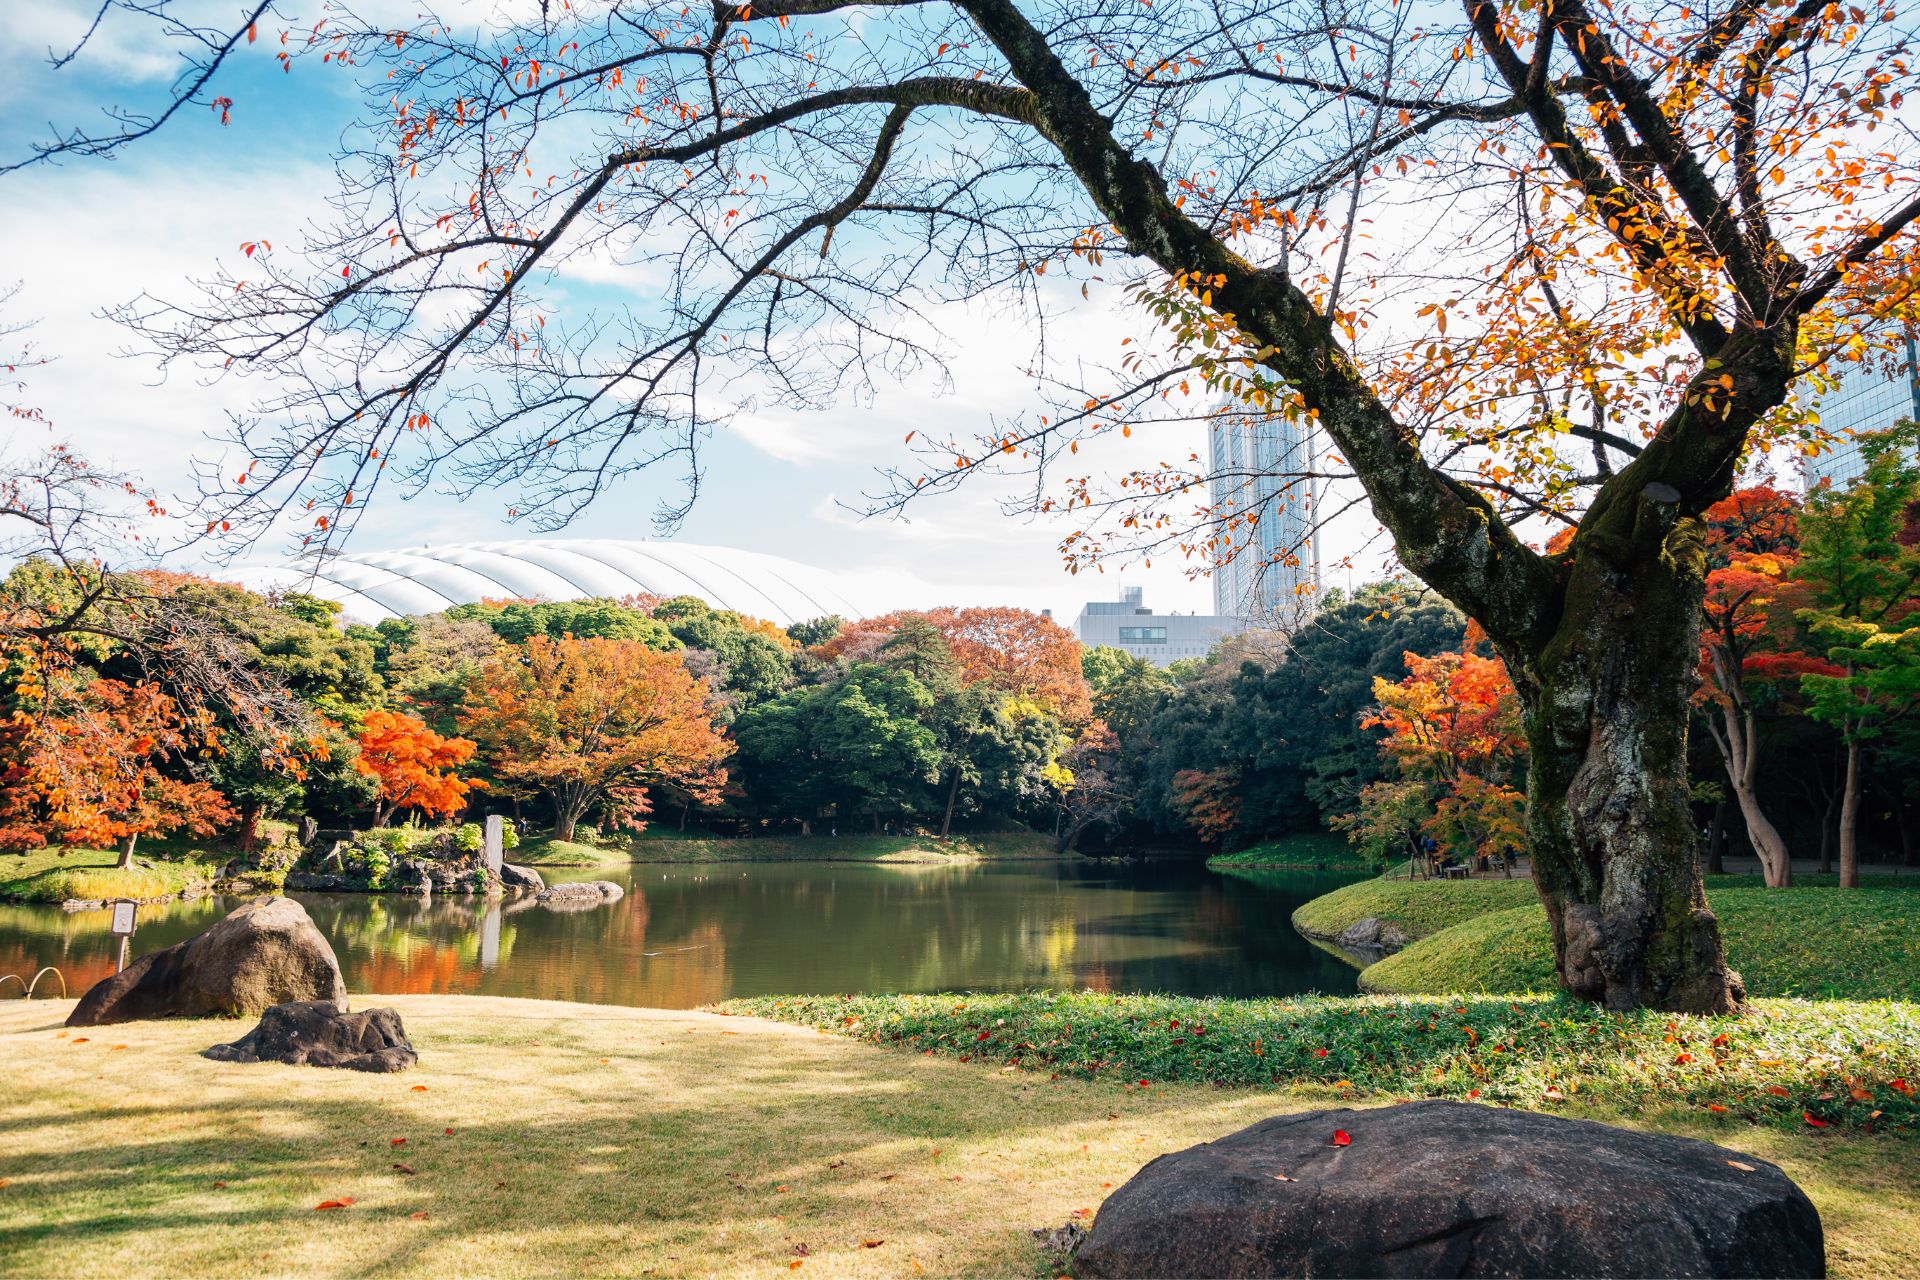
x: 1812, y: 941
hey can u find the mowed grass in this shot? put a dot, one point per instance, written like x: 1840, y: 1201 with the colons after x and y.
x: 610, y: 1141
x: 565, y: 853
x: 1812, y: 941
x: 1309, y: 849
x: 1421, y: 907
x: 60, y: 872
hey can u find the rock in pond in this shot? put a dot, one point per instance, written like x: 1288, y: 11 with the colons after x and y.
x: 262, y: 954
x: 1374, y: 934
x: 316, y: 1033
x: 1452, y: 1189
x: 520, y: 879
x: 583, y: 896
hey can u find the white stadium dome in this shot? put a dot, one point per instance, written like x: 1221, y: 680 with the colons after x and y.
x: 372, y: 585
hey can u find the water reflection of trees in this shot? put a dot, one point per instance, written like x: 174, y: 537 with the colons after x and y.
x: 685, y: 936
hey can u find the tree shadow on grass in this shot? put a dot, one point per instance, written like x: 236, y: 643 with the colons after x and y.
x: 611, y: 1144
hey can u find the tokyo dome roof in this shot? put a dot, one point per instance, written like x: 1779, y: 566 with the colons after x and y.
x: 372, y: 585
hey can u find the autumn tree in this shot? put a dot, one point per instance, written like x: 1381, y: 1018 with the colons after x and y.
x: 1750, y: 648
x: 1637, y: 227
x: 104, y: 763
x: 415, y: 766
x: 595, y: 723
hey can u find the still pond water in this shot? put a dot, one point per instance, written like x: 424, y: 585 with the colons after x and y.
x: 689, y: 935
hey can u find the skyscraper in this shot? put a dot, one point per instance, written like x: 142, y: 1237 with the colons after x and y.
x: 1868, y: 398
x: 1263, y: 496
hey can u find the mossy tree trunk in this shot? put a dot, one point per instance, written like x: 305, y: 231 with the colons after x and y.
x: 1609, y: 807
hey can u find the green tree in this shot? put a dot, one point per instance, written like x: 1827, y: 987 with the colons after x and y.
x: 599, y: 618
x: 859, y: 746
x: 1860, y: 560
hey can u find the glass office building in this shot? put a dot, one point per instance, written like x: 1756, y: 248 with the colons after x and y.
x: 1868, y: 398
x: 1261, y: 466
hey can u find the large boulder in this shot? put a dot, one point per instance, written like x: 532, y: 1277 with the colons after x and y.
x: 265, y: 953
x: 515, y: 879
x: 1449, y: 1189
x: 317, y: 1033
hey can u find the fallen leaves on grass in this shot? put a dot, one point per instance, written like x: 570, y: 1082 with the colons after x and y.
x: 404, y: 1168
x: 1341, y: 1138
x: 342, y: 1203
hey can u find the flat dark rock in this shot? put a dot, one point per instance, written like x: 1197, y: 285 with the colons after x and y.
x: 580, y: 895
x: 315, y: 1033
x: 1451, y: 1189
x: 259, y: 955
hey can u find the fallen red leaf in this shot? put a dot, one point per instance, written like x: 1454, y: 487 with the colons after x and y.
x: 1341, y: 1138
x: 419, y: 1217
x: 404, y: 1168
x: 419, y: 1088
x: 396, y: 1141
x: 79, y: 1040
x: 1814, y: 1120
x: 341, y: 1203
x: 871, y: 1244
x: 1778, y: 1091
x: 1714, y: 1106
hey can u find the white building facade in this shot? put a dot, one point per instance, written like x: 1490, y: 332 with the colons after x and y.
x: 1159, y: 638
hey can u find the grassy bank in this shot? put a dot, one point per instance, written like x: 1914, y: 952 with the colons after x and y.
x: 1851, y: 1064
x: 58, y: 873
x: 524, y: 1154
x: 566, y: 853
x: 1000, y: 846
x: 1810, y: 941
x: 1421, y: 907
x: 1313, y: 849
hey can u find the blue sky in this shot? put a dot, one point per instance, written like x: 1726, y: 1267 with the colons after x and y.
x: 91, y: 234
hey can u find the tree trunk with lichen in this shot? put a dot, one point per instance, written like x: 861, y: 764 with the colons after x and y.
x: 1609, y: 812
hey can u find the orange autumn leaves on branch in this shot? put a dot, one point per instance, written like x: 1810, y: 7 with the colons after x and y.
x: 595, y: 723
x: 414, y: 764
x: 100, y: 764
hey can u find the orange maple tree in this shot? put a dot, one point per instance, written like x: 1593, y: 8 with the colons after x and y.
x: 1454, y: 714
x: 596, y: 722
x: 104, y: 763
x: 1016, y: 651
x: 1749, y: 638
x: 414, y: 764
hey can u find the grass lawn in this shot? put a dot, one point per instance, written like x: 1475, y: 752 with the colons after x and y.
x: 565, y: 853
x: 1809, y: 940
x: 1421, y: 907
x: 58, y: 873
x: 998, y: 846
x: 556, y: 1138
x: 1311, y: 849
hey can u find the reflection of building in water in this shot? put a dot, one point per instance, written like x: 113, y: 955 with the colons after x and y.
x: 1261, y: 484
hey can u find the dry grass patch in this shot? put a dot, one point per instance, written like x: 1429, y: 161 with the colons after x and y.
x: 597, y: 1140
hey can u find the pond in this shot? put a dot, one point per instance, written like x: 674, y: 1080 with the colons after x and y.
x: 685, y: 936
